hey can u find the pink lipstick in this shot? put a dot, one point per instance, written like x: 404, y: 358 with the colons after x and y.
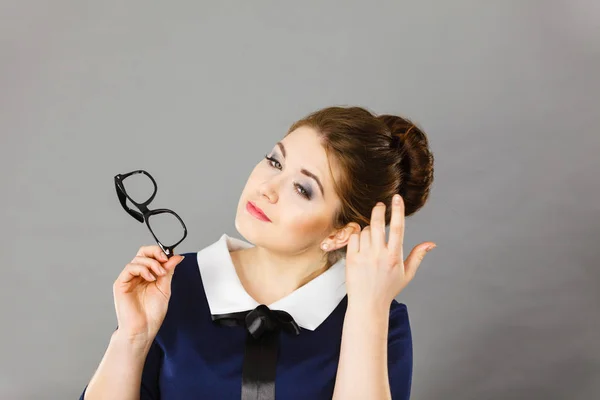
x: 256, y: 212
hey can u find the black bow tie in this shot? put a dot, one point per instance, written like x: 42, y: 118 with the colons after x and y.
x: 260, y: 359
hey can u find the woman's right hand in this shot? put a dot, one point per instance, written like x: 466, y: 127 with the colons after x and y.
x: 142, y: 292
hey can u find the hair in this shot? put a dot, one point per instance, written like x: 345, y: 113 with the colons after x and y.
x: 379, y: 156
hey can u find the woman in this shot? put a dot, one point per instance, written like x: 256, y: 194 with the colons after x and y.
x: 308, y: 311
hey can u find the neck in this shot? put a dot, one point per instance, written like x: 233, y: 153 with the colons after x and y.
x: 268, y: 277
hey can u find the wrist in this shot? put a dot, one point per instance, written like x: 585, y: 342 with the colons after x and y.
x: 371, y: 320
x: 368, y: 307
x: 136, y: 342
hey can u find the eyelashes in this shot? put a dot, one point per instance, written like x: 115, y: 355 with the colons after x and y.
x: 307, y: 194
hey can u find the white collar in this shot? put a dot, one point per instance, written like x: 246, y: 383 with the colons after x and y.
x: 309, y: 305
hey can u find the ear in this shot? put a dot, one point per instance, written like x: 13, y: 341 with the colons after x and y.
x: 340, y: 237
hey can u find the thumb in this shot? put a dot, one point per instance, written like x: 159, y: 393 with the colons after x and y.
x: 172, y: 263
x: 164, y: 282
x: 415, y: 257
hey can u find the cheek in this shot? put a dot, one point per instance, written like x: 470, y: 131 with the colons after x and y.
x: 304, y: 223
x: 252, y: 183
x: 254, y: 175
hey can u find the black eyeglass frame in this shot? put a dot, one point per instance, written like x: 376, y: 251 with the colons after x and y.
x: 145, y: 212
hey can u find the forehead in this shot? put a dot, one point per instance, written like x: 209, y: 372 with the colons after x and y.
x: 306, y: 143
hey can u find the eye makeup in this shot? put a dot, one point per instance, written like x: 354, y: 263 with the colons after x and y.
x: 304, y: 191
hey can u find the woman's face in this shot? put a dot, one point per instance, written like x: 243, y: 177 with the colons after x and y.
x: 300, y: 207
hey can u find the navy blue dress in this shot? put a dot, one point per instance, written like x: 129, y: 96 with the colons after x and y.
x: 192, y: 357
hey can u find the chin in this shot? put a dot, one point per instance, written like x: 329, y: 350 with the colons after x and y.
x: 248, y: 227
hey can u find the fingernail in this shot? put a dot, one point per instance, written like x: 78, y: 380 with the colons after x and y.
x: 397, y: 198
x: 431, y: 247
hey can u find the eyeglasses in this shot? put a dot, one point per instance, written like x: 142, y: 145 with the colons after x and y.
x: 170, y: 226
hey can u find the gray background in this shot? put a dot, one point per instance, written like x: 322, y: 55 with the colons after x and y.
x: 197, y: 92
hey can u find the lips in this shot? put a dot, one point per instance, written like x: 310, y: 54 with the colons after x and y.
x: 256, y: 211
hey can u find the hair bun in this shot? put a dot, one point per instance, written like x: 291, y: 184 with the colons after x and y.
x: 415, y: 161
x: 396, y: 142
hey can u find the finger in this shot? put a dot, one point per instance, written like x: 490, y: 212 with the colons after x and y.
x: 378, y: 226
x: 172, y: 263
x: 152, y: 252
x: 396, y: 240
x: 150, y: 263
x: 414, y: 259
x: 132, y: 271
x: 365, y: 239
x: 353, y: 245
x: 164, y: 283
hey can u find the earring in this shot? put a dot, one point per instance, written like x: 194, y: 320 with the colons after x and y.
x: 324, y: 246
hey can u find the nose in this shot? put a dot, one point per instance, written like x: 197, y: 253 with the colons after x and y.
x: 269, y: 189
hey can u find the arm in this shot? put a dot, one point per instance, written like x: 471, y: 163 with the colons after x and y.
x: 131, y: 364
x: 376, y: 357
x: 375, y: 330
x: 119, y: 375
x: 362, y: 370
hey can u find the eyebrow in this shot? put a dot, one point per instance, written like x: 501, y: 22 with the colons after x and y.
x: 304, y: 171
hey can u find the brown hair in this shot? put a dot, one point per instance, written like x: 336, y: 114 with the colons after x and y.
x: 379, y: 156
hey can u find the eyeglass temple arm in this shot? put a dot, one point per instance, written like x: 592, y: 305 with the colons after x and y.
x: 122, y: 199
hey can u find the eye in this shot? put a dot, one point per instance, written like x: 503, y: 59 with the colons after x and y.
x: 302, y: 191
x: 272, y: 160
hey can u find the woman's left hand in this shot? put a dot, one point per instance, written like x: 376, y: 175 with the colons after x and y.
x: 375, y: 270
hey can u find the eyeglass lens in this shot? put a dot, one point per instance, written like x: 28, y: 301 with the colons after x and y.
x: 139, y: 187
x: 165, y: 226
